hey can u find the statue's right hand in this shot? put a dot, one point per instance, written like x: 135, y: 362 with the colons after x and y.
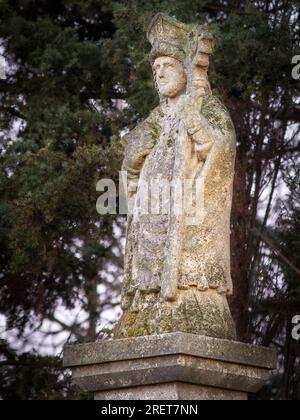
x: 202, y: 150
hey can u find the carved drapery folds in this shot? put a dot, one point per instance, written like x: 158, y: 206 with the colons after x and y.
x: 177, y: 264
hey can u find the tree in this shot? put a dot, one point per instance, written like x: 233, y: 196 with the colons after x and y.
x: 78, y: 77
x: 32, y: 377
x: 279, y: 274
x: 54, y: 244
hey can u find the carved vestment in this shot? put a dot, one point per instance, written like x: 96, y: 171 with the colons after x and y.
x: 205, y: 261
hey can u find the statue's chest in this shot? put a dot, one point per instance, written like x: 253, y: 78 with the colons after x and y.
x: 160, y: 162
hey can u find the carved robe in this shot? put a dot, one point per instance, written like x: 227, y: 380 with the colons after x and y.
x: 150, y: 155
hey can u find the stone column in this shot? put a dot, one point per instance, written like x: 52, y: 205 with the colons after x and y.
x: 176, y: 366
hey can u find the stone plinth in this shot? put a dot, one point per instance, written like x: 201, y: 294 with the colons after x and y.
x: 177, y: 366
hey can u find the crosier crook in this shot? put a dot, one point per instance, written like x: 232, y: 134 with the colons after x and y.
x: 197, y: 89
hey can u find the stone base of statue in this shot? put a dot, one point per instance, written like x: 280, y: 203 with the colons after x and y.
x: 202, y: 313
x: 176, y: 366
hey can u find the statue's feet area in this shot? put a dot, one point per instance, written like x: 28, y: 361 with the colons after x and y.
x: 203, y: 313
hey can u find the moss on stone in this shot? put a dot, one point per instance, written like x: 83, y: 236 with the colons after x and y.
x: 203, y: 313
x: 217, y: 114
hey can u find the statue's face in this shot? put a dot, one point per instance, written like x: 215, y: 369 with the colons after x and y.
x: 170, y: 76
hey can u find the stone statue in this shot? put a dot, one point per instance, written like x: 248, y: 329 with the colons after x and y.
x: 177, y: 265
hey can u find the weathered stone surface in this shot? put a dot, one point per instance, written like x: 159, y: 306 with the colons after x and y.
x: 168, y: 358
x: 171, y: 342
x: 108, y: 351
x: 159, y: 370
x: 204, y: 313
x: 172, y: 391
x: 177, y: 265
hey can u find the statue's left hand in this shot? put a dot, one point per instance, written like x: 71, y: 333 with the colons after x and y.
x: 202, y: 151
x: 196, y: 125
x: 189, y: 112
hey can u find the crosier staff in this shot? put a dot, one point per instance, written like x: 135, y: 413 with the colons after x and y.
x: 200, y: 47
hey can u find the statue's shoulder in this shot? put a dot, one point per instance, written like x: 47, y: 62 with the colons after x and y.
x: 217, y: 113
x: 152, y: 124
x: 150, y: 127
x: 155, y: 117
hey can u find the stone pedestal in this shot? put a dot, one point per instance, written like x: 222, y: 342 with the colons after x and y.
x: 177, y: 366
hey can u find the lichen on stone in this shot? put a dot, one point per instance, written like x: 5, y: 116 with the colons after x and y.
x: 216, y: 113
x: 196, y: 312
x: 189, y: 136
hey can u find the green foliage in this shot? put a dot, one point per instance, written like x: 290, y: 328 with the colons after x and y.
x: 67, y: 139
x: 253, y: 56
x: 33, y: 377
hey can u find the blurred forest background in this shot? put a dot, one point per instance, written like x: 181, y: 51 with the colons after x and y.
x: 78, y: 76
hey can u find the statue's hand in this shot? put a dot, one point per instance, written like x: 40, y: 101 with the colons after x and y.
x: 204, y: 140
x: 196, y: 125
x: 198, y: 89
x: 195, y: 122
x: 189, y: 111
x: 202, y: 151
